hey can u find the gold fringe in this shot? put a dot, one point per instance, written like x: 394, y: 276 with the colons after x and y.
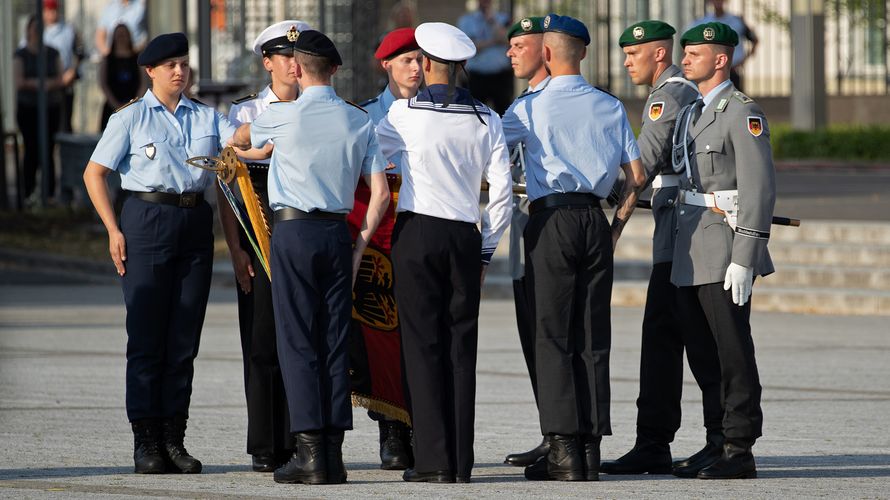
x: 381, y: 406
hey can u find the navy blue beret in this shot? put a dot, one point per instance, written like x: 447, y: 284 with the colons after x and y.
x: 164, y: 47
x: 568, y: 25
x: 317, y: 44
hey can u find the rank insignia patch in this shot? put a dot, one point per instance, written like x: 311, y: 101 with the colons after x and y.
x: 755, y: 125
x: 655, y: 110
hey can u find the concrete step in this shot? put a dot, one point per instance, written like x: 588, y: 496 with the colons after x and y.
x: 774, y: 299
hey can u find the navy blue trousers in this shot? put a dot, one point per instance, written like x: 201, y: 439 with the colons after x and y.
x: 169, y: 264
x: 312, y: 295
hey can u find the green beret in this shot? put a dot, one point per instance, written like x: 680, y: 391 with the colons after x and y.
x: 711, y: 33
x: 646, y: 31
x: 526, y: 26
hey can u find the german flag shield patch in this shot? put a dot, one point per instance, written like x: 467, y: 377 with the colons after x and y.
x: 755, y: 125
x: 655, y: 110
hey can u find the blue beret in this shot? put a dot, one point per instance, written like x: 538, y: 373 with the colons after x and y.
x: 164, y: 47
x: 568, y: 25
x: 317, y: 44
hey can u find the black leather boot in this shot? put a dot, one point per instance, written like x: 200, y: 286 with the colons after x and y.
x: 529, y: 457
x: 147, y: 447
x: 333, y: 444
x: 308, y: 463
x: 736, y: 462
x: 591, y: 457
x: 178, y: 458
x: 646, y: 457
x: 264, y: 463
x: 703, y: 458
x: 564, y: 461
x: 395, y: 445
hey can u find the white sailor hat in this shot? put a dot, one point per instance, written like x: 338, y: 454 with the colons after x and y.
x: 279, y: 38
x: 444, y: 42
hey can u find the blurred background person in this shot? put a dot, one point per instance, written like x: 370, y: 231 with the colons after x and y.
x: 741, y: 53
x: 24, y: 68
x: 64, y: 38
x: 119, y: 75
x: 128, y: 12
x: 491, y: 77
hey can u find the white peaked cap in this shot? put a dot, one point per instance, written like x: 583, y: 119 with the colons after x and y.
x: 444, y: 41
x: 277, y: 30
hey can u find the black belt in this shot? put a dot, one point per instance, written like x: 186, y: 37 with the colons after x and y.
x: 184, y: 200
x: 257, y: 166
x: 564, y: 200
x: 288, y: 213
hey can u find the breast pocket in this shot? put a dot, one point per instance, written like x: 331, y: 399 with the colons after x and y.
x: 711, y: 156
x: 204, y: 142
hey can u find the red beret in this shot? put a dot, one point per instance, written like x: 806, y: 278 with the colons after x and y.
x: 50, y: 4
x: 396, y: 42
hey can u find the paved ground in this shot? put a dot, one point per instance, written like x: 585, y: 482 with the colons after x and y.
x: 64, y: 433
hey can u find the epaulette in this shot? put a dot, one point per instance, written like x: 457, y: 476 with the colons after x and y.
x: 246, y: 98
x: 127, y: 104
x: 356, y: 105
x: 369, y: 101
x: 526, y: 94
x: 742, y: 97
x: 279, y: 102
x: 199, y: 102
x: 605, y: 91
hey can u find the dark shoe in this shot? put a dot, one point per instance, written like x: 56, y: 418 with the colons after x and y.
x: 439, y: 476
x: 703, y: 458
x: 530, y: 456
x: 307, y: 464
x: 333, y: 443
x: 395, y: 445
x: 591, y: 457
x: 565, y: 461
x: 737, y: 462
x: 538, y: 471
x: 263, y: 463
x: 147, y: 447
x: 178, y: 458
x: 646, y: 457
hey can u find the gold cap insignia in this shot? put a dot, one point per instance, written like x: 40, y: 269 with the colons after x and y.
x: 639, y: 32
x: 526, y: 24
x: 292, y: 34
x: 708, y: 34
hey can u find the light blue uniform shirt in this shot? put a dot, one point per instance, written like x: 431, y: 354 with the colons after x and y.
x: 715, y: 92
x: 492, y: 59
x: 379, y: 106
x: 149, y: 146
x: 322, y: 146
x: 576, y: 138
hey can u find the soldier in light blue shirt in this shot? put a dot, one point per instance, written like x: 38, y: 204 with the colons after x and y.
x: 322, y: 145
x: 577, y: 137
x: 163, y: 248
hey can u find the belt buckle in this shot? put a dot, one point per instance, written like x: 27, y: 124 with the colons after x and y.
x: 188, y: 200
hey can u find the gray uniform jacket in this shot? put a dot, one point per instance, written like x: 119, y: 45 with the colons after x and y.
x: 659, y: 116
x: 728, y: 149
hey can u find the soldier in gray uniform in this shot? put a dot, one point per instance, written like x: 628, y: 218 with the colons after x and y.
x: 648, y: 46
x: 727, y: 195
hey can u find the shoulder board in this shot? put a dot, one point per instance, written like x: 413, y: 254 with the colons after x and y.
x: 127, y: 104
x: 246, y: 98
x: 526, y: 94
x: 605, y: 91
x: 742, y: 97
x: 279, y: 102
x: 356, y: 105
x: 199, y: 102
x: 368, y: 102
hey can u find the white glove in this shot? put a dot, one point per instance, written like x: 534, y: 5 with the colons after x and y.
x: 740, y: 278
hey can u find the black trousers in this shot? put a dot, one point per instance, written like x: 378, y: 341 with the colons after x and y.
x: 710, y: 308
x: 166, y: 285
x: 494, y: 89
x: 268, y: 428
x: 27, y: 121
x: 665, y: 334
x: 312, y: 295
x: 437, y: 270
x: 526, y: 330
x: 569, y: 272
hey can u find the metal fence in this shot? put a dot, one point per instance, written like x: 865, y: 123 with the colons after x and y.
x: 856, y: 40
